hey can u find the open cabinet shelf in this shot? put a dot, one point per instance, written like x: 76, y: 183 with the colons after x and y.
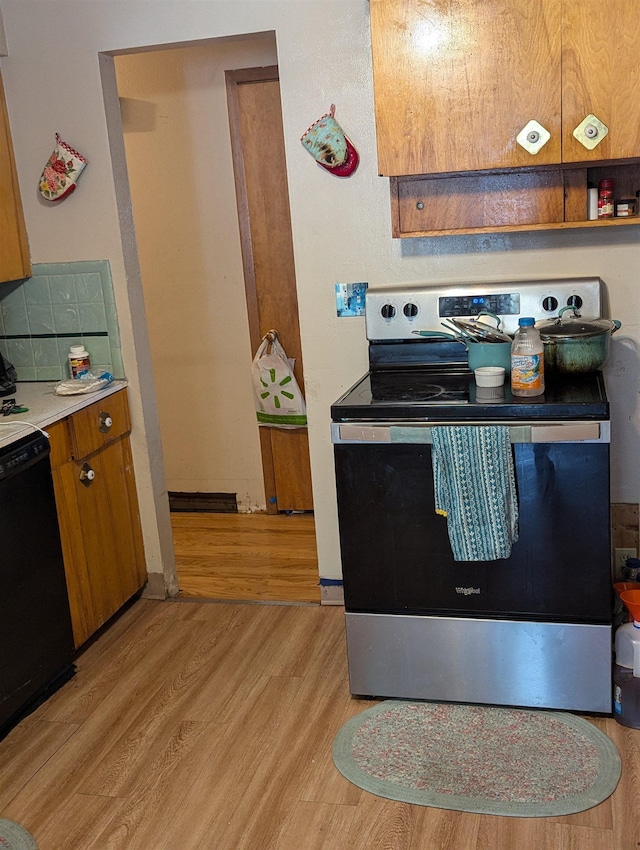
x: 504, y: 201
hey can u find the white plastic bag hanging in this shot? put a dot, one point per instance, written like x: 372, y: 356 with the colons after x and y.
x: 279, y: 402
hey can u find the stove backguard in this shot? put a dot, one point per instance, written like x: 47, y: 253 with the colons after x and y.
x: 395, y: 313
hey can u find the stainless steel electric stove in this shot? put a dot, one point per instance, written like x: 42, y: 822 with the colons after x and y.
x: 533, y: 629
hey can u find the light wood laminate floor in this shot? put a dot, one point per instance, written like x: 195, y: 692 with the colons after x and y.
x: 208, y: 726
x: 248, y: 557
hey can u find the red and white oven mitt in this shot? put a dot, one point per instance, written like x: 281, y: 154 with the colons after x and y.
x: 60, y: 174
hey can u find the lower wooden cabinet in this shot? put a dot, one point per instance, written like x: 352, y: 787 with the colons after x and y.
x: 97, y: 511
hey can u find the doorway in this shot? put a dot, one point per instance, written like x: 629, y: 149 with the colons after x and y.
x: 174, y: 110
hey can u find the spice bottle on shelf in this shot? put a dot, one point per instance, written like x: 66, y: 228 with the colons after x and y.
x: 592, y: 203
x: 527, y: 360
x: 79, y: 361
x: 625, y: 208
x: 605, y: 199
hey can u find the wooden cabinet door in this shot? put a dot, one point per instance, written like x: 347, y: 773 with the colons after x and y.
x: 456, y: 82
x: 101, y: 537
x: 111, y: 532
x: 601, y: 76
x: 14, y: 250
x: 97, y: 513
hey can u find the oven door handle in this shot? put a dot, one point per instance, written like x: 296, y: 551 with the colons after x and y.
x: 565, y: 432
x: 542, y: 432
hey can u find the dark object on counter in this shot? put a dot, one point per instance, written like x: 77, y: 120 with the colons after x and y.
x: 35, y: 622
x: 9, y: 406
x: 576, y: 346
x: 8, y: 377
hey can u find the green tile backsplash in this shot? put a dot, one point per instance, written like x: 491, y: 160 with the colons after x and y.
x: 63, y: 304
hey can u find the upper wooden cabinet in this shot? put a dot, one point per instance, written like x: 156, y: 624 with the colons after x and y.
x: 457, y: 83
x: 14, y: 249
x: 600, y: 54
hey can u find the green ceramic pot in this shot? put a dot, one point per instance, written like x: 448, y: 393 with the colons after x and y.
x: 577, y: 346
x: 489, y: 354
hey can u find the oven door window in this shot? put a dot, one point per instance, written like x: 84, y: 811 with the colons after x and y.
x: 396, y: 556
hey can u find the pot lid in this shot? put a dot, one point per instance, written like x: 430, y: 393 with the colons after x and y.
x: 574, y: 327
x: 480, y: 331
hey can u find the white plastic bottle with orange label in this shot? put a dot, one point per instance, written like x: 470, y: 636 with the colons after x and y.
x: 79, y: 361
x: 527, y: 360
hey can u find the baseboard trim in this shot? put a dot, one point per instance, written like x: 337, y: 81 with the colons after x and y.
x: 155, y: 587
x: 332, y: 594
x: 220, y: 503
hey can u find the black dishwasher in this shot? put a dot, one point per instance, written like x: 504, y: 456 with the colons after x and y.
x: 36, y: 639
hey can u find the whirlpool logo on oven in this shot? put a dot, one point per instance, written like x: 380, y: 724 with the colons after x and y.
x: 467, y: 591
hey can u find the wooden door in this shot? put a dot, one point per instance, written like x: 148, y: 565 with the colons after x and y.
x: 14, y: 250
x: 601, y: 76
x: 456, y: 82
x: 255, y: 119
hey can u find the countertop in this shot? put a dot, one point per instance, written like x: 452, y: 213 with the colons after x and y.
x: 45, y: 407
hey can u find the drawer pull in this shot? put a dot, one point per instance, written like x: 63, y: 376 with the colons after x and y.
x: 87, y: 475
x: 104, y: 422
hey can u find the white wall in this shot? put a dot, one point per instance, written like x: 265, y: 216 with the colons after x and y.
x: 176, y: 131
x: 341, y: 228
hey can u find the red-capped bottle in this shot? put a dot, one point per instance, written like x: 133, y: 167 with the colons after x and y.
x: 606, y: 208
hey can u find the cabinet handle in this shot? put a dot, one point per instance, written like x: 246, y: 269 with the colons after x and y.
x: 590, y: 132
x: 87, y: 474
x: 104, y: 422
x: 533, y: 137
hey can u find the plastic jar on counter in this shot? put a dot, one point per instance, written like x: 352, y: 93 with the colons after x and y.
x: 79, y: 360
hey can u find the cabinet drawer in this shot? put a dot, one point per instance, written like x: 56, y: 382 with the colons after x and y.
x: 93, y: 427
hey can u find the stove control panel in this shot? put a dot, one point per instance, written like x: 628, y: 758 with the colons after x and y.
x: 396, y: 312
x: 504, y: 304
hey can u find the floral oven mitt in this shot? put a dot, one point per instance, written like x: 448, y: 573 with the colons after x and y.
x: 60, y: 174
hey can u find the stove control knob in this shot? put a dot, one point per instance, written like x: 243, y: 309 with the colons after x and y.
x: 550, y: 304
x: 410, y: 310
x: 574, y: 301
x: 388, y: 311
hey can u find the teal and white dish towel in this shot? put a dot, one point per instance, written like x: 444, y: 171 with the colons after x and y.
x: 475, y: 488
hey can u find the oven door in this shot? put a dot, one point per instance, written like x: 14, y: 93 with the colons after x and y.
x: 396, y: 555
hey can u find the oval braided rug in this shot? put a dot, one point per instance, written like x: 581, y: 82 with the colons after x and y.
x: 15, y: 837
x: 498, y: 761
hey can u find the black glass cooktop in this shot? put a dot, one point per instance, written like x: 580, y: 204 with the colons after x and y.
x: 417, y: 394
